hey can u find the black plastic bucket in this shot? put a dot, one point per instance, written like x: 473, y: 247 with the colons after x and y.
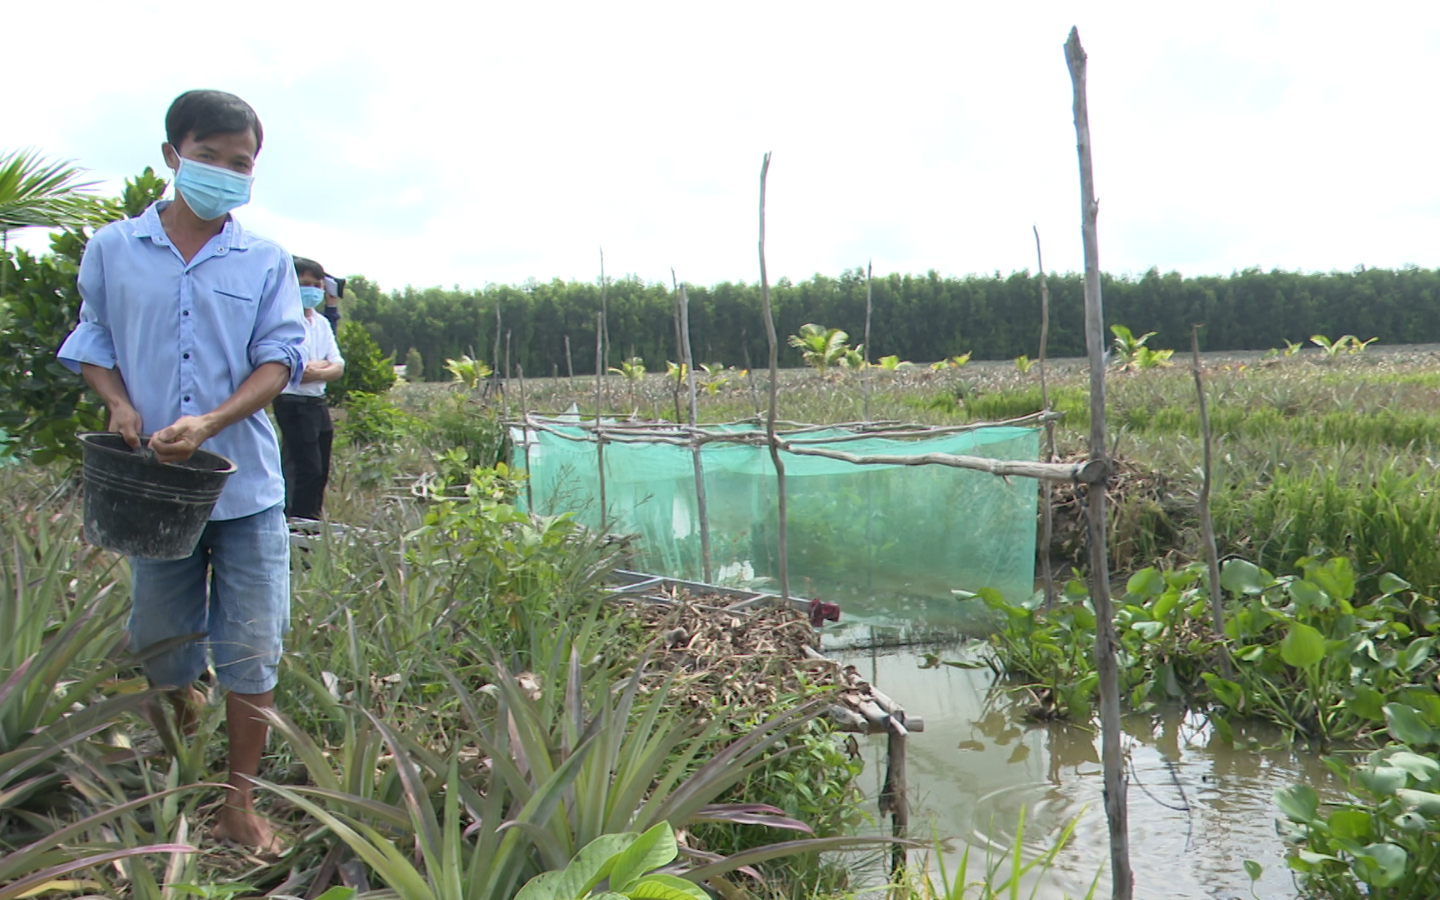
x: 139, y: 506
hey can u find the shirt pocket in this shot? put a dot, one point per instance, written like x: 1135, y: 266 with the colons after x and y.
x: 234, y: 294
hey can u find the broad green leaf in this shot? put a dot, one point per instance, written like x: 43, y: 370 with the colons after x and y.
x: 1351, y: 824
x: 337, y: 893
x: 1381, y: 865
x: 1239, y: 576
x: 1390, y: 583
x: 1423, y: 768
x: 1424, y: 802
x: 1407, y: 726
x: 1253, y: 869
x: 666, y: 887
x: 1307, y: 595
x: 651, y: 850
x: 1165, y: 604
x: 1417, y: 652
x: 1303, y: 646
x: 1148, y: 630
x: 1382, y: 781
x: 1148, y: 582
x: 1317, y: 859
x: 1366, y: 702
x: 1336, y: 577
x: 1298, y: 802
x: 1250, y: 653
x: 1229, y: 693
x: 590, y: 866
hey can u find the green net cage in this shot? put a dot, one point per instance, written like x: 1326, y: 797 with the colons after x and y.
x: 920, y: 531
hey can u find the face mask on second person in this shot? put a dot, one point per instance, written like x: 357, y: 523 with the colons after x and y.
x: 311, y: 297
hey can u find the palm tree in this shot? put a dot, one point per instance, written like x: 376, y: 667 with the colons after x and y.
x: 40, y: 193
x: 821, y: 347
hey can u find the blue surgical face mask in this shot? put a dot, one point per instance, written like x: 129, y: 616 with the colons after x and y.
x: 211, y: 191
x: 311, y: 297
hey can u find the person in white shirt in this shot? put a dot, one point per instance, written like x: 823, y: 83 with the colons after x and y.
x: 306, y: 432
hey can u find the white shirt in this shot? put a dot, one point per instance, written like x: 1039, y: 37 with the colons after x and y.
x: 319, y: 344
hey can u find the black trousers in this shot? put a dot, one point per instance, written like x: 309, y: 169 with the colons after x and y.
x: 305, y: 438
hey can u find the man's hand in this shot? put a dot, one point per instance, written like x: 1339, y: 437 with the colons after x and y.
x: 126, y: 420
x: 321, y: 370
x: 176, y: 443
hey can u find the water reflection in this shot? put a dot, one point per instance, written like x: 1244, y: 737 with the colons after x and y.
x: 1198, y: 807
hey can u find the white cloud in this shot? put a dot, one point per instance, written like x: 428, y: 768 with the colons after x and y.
x: 470, y: 143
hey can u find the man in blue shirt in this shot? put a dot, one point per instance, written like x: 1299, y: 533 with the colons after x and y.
x: 190, y: 325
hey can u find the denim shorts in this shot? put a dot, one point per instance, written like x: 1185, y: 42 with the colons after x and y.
x: 235, y: 588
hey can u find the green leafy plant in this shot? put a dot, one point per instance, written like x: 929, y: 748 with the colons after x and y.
x: 625, y: 864
x: 893, y: 364
x: 821, y: 347
x: 43, y: 405
x: 1023, y: 363
x: 39, y: 193
x: 469, y: 372
x: 1001, y: 877
x: 1332, y: 348
x: 1383, y: 843
x: 414, y: 366
x: 367, y: 371
x: 1132, y: 353
x: 633, y: 371
x: 952, y: 362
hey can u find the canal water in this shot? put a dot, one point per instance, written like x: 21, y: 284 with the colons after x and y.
x: 1198, y: 806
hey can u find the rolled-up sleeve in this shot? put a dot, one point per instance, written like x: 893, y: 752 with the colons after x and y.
x: 91, y: 342
x: 279, y: 328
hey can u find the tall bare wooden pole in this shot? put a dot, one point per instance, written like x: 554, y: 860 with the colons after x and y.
x: 679, y: 344
x: 1047, y: 517
x: 701, y: 509
x: 497, y: 368
x: 1207, y: 524
x: 605, y: 305
x: 1112, y: 760
x: 569, y: 364
x: 599, y: 434
x: 525, y: 441
x: 774, y: 394
x: 869, y: 270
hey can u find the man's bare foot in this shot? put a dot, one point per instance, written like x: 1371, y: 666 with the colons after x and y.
x: 246, y: 827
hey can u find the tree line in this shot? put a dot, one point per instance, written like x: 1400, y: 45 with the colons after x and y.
x: 916, y: 317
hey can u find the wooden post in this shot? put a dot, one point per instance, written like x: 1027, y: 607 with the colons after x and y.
x: 782, y: 548
x: 525, y: 440
x: 1047, y: 516
x: 1207, y: 524
x: 497, y: 370
x: 508, y: 373
x: 1112, y: 760
x: 679, y: 344
x: 599, y: 434
x: 569, y: 364
x: 700, y: 506
x: 604, y: 311
x: 749, y: 371
x: 893, y: 794
x: 869, y: 269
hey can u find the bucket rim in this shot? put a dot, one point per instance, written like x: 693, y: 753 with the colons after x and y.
x: 222, y: 465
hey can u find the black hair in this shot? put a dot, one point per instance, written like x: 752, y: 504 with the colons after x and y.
x: 309, y: 267
x: 200, y: 114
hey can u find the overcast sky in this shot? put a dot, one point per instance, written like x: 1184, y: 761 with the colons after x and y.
x: 468, y: 143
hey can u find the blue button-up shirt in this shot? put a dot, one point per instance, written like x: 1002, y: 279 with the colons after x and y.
x: 185, y: 336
